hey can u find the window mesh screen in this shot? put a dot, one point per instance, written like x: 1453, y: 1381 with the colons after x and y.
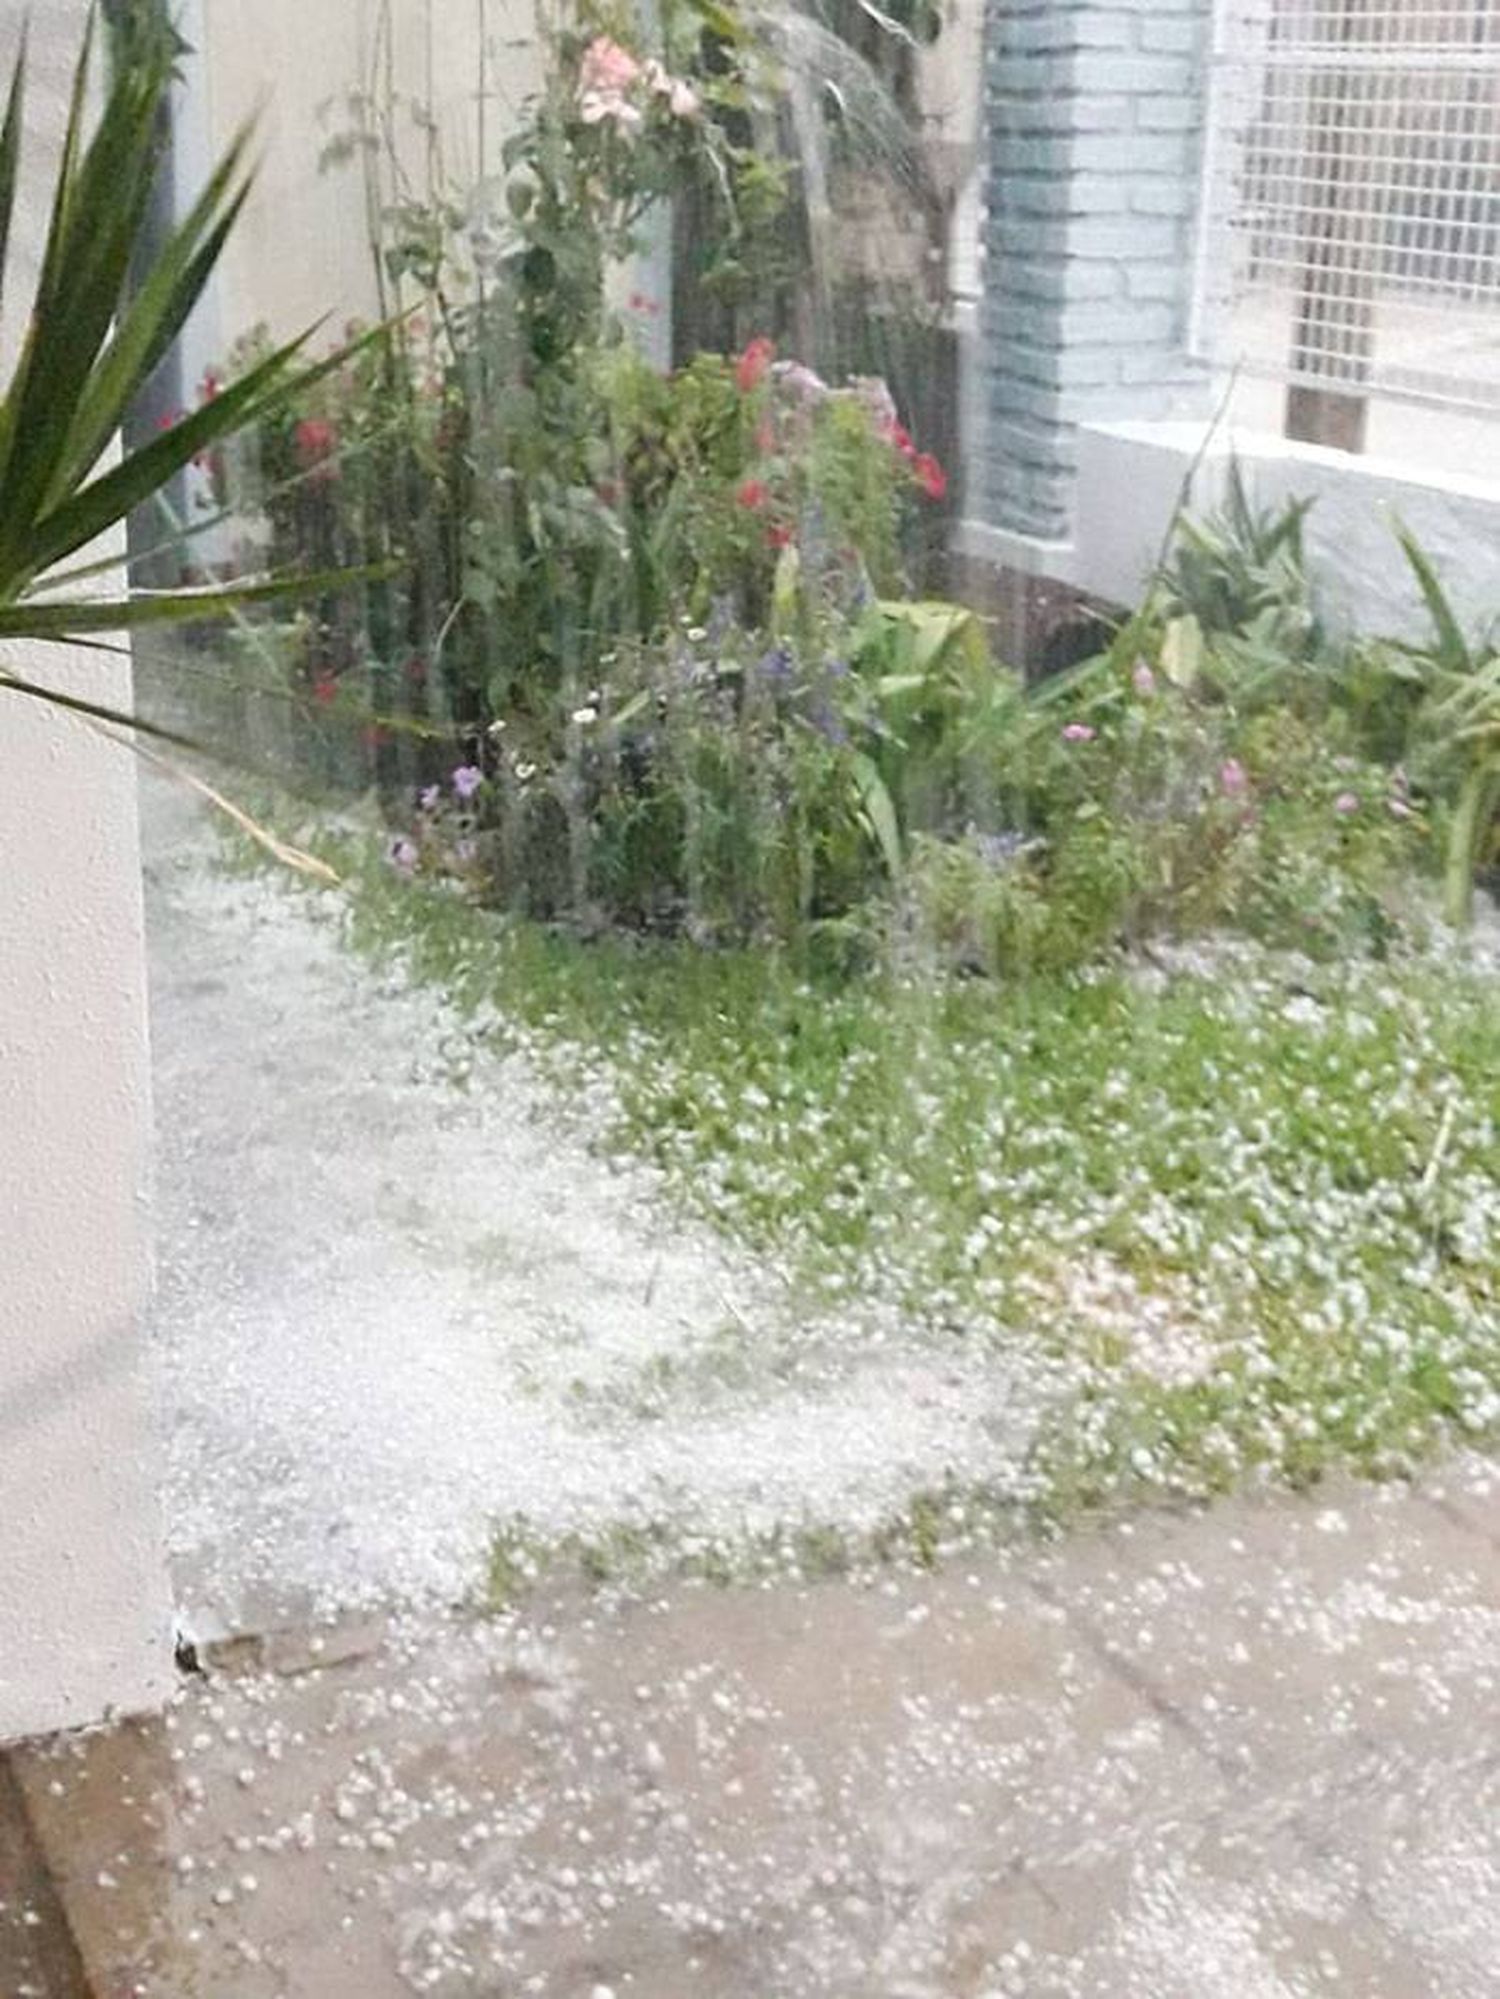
x: 1350, y: 234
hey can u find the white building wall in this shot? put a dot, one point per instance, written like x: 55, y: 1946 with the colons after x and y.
x: 302, y: 250
x: 1131, y: 477
x: 85, y: 1620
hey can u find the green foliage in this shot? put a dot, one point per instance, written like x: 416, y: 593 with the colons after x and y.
x: 555, y: 501
x: 1461, y: 716
x: 1252, y: 1208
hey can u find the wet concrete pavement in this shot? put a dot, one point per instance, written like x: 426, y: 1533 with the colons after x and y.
x: 1251, y: 1754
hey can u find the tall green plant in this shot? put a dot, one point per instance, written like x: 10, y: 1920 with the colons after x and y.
x: 1463, y: 713
x: 102, y: 319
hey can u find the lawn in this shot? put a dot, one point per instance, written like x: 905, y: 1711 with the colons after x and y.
x: 1249, y: 1204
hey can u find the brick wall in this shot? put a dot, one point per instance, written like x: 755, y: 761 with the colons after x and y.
x: 1093, y: 120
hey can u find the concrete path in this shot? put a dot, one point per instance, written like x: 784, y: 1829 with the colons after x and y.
x: 1253, y: 1754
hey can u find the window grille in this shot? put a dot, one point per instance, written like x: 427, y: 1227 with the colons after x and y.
x: 1349, y: 229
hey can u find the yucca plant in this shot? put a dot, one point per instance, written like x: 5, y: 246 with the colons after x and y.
x: 1463, y: 711
x: 102, y: 320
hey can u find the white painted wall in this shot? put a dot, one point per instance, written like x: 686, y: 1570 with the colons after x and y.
x: 85, y: 1619
x: 302, y: 248
x: 1130, y: 478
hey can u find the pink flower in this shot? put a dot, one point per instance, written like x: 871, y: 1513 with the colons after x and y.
x: 753, y: 495
x: 431, y: 798
x: 1143, y: 680
x: 682, y: 100
x: 403, y: 857
x: 929, y: 475
x: 605, y: 75
x: 754, y: 364
x: 1345, y: 803
x: 1234, y: 779
x: 607, y: 67
x: 1079, y: 732
x: 778, y: 535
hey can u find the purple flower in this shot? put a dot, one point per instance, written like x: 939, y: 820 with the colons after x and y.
x: 1345, y: 803
x: 403, y: 857
x: 1234, y: 779
x: 829, y: 724
x: 775, y: 665
x: 431, y: 798
x: 466, y: 781
x: 1079, y: 732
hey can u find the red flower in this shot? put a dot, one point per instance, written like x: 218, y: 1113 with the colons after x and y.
x: 930, y: 476
x: 755, y: 364
x: 765, y: 437
x: 209, y: 387
x: 899, y: 436
x: 325, y: 690
x: 778, y: 535
x: 753, y: 494
x: 314, y: 440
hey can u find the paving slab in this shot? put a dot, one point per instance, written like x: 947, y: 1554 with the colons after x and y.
x: 1249, y: 1754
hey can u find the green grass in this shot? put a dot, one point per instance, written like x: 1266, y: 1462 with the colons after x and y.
x: 1254, y: 1210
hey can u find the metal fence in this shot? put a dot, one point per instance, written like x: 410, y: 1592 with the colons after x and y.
x: 1349, y: 232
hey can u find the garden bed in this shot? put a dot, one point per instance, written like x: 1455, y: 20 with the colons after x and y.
x: 1242, y: 1206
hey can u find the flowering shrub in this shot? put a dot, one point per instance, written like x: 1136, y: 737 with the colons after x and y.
x: 548, y: 495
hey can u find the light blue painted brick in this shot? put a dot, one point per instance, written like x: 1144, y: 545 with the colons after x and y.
x: 1171, y: 37
x: 1128, y: 326
x: 1040, y: 404
x: 1176, y: 195
x: 1068, y: 367
x: 1169, y: 114
x: 1145, y: 237
x: 1039, y: 448
x: 1171, y: 280
x: 1017, y: 153
x: 1024, y: 236
x: 1055, y: 29
x: 1071, y: 194
x: 1054, y: 111
x: 1171, y: 369
x: 1165, y: 153
x: 1066, y: 278
x: 1136, y: 75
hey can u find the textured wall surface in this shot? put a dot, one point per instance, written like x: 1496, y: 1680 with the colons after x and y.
x: 1093, y: 116
x: 302, y: 249
x: 85, y: 1620
x: 1131, y: 477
